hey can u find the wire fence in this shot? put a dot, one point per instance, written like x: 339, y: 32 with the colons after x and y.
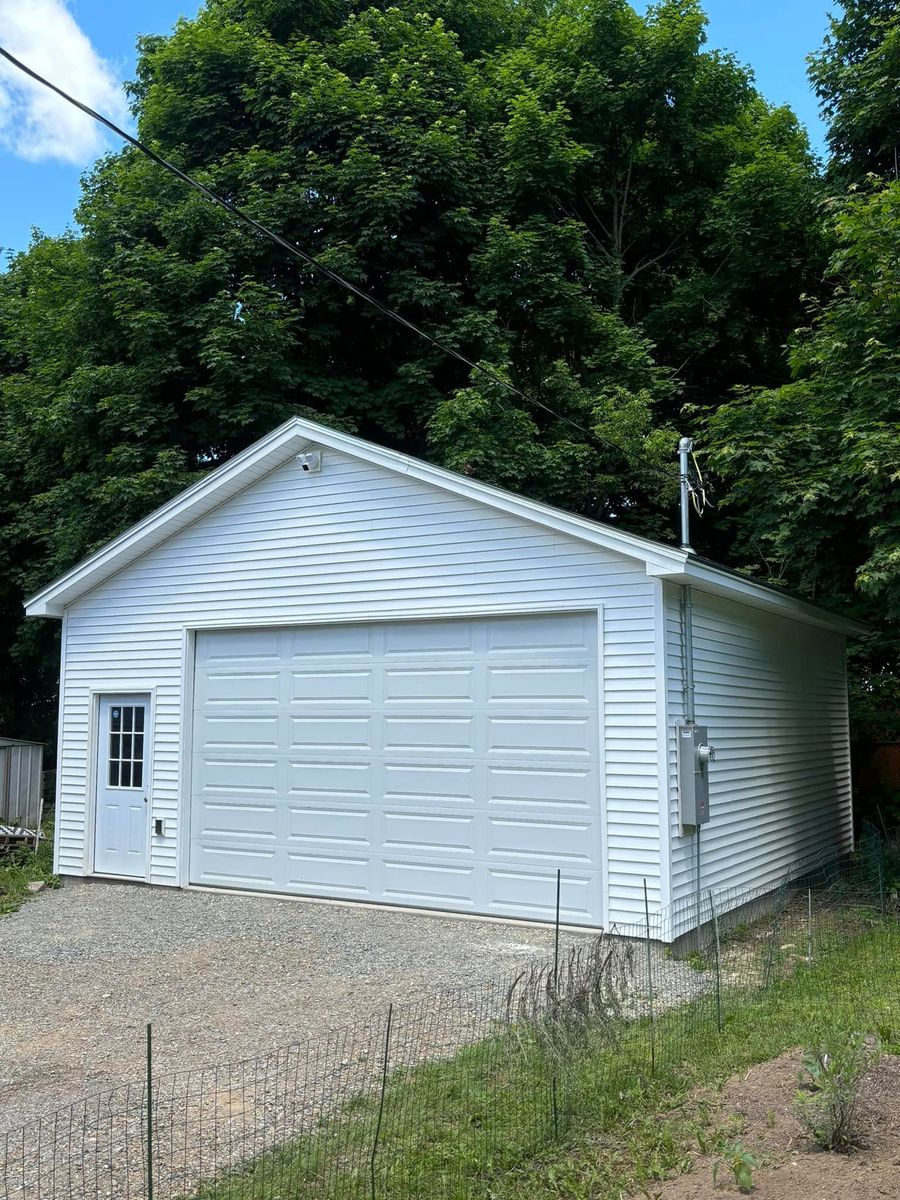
x: 432, y: 1097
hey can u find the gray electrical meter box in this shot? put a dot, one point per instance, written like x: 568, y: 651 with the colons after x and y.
x: 694, y: 756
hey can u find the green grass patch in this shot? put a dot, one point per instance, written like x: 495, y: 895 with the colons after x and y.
x: 24, y: 865
x: 509, y: 1118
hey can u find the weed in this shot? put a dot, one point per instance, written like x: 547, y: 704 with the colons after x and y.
x: 740, y: 1162
x: 828, y: 1100
x: 25, y: 865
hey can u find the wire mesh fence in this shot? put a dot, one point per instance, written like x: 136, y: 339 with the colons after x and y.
x: 431, y: 1097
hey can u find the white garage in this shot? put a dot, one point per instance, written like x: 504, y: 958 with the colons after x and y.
x: 331, y: 670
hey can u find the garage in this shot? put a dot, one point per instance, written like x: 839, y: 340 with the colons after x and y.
x: 328, y: 669
x: 448, y: 764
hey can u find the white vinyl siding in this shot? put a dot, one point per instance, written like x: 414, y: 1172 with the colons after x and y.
x: 360, y: 541
x: 773, y: 693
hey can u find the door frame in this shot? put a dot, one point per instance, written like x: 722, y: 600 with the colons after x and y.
x: 93, y: 742
x: 190, y: 630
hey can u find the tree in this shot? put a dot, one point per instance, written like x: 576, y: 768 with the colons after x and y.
x: 856, y: 76
x: 582, y: 198
x: 814, y: 466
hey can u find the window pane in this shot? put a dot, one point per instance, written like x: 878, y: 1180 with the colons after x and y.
x: 125, y: 775
x: 113, y: 774
x: 137, y: 775
x: 139, y: 717
x: 115, y: 719
x: 138, y: 751
x: 126, y: 746
x: 115, y: 744
x: 128, y: 717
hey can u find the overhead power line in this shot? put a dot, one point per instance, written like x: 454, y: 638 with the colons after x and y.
x: 310, y: 260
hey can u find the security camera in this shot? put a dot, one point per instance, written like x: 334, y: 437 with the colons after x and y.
x: 310, y: 461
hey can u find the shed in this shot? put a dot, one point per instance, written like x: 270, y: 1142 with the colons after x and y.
x: 21, y: 801
x: 332, y: 670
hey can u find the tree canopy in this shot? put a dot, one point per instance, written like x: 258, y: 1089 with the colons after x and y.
x: 584, y: 198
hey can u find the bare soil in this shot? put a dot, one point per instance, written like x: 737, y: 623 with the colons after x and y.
x: 757, y: 1109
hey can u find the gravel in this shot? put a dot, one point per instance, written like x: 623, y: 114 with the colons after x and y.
x: 302, y: 989
x: 222, y: 977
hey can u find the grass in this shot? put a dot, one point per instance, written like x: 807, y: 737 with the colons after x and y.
x: 22, y: 866
x: 482, y: 1123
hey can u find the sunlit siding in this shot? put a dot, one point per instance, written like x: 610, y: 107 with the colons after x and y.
x: 773, y: 692
x: 353, y: 542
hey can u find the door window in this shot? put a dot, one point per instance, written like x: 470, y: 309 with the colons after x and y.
x: 126, y: 745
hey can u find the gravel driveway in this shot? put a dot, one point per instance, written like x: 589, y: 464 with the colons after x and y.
x: 221, y: 977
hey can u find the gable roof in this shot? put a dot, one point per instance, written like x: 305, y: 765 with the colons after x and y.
x: 296, y: 434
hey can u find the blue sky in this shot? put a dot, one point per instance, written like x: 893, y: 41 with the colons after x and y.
x: 88, y: 47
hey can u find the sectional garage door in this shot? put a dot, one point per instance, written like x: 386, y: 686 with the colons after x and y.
x: 446, y: 764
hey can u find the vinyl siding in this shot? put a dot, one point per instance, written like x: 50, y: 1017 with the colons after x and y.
x: 773, y: 692
x: 354, y: 542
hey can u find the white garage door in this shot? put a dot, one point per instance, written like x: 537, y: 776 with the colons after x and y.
x: 446, y: 764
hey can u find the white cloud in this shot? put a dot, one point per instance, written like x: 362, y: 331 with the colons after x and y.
x: 35, y: 123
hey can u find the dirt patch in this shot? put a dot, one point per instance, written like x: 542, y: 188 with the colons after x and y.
x: 757, y: 1111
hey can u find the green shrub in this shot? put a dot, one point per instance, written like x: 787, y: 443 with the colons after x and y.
x: 828, y: 1100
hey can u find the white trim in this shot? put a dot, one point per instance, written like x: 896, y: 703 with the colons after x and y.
x: 603, y: 809
x: 185, y: 757
x: 61, y: 708
x: 284, y: 442
x: 662, y: 743
x: 96, y: 695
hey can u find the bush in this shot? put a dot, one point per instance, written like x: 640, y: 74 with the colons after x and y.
x: 828, y: 1100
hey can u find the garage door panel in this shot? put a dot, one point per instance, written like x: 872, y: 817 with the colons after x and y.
x: 422, y: 783
x: 234, y: 866
x: 331, y: 733
x: 321, y: 825
x: 548, y: 684
x: 448, y: 764
x: 533, y: 736
x: 544, y: 787
x: 434, y: 638
x: 428, y: 733
x: 556, y: 842
x: 429, y: 834
x: 217, y: 647
x: 533, y: 635
x: 428, y: 685
x: 217, y: 731
x: 232, y: 820
x: 322, y: 687
x: 409, y: 881
x: 532, y: 893
x: 240, y: 688
x: 328, y: 874
x: 331, y: 641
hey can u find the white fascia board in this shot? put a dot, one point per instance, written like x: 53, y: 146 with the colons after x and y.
x: 719, y: 581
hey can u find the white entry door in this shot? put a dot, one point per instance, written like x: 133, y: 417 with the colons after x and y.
x: 450, y: 764
x: 122, y: 810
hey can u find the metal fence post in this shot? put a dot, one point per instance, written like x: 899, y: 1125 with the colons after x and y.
x: 554, y: 1107
x: 149, y: 1111
x: 384, y: 1077
x: 715, y: 917
x: 650, y: 983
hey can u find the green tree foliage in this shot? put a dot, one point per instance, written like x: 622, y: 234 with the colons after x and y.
x: 812, y: 467
x: 583, y: 198
x: 857, y: 77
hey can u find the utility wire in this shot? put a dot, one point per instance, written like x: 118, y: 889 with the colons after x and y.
x: 309, y: 259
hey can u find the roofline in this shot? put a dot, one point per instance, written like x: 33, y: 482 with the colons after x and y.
x: 275, y: 448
